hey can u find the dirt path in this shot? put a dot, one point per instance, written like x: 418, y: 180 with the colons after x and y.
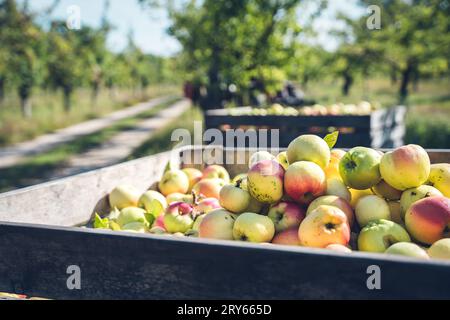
x: 10, y: 156
x: 122, y: 144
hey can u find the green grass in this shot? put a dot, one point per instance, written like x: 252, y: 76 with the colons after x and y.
x: 49, y: 115
x: 38, y: 168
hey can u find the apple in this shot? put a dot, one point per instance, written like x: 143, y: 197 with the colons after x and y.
x: 123, y: 196
x: 333, y: 201
x: 309, y: 148
x: 178, y: 217
x: 209, y: 188
x: 255, y: 206
x: 406, y: 167
x: 129, y: 215
x: 370, y: 208
x: 384, y: 190
x: 153, y: 202
x: 207, y: 205
x: 440, y: 249
x: 407, y: 249
x: 216, y: 172
x: 198, y: 221
x: 253, y: 227
x: 324, y: 226
x: 332, y: 170
x: 159, y: 222
x: 137, y: 227
x: 242, y: 178
x: 339, y: 248
x: 415, y: 194
x: 194, y: 176
x: 157, y: 230
x: 304, y: 181
x: 234, y: 199
x: 286, y: 215
x: 173, y: 181
x: 259, y: 156
x: 180, y: 197
x: 440, y: 178
x: 336, y: 187
x: 396, y: 212
x: 287, y: 237
x: 217, y: 224
x: 358, y: 194
x: 360, y: 168
x: 265, y: 181
x: 282, y: 159
x: 379, y: 235
x: 428, y: 219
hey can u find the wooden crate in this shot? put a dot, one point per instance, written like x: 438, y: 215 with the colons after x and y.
x: 39, y: 240
x: 383, y: 128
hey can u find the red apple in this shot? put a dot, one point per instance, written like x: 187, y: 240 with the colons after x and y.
x: 304, y: 181
x: 209, y: 188
x: 286, y: 215
x: 287, y: 237
x: 333, y: 201
x: 216, y: 172
x: 207, y: 205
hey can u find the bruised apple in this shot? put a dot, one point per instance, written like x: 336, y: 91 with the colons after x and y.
x: 265, y: 181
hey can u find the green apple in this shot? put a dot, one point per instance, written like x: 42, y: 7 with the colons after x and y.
x: 407, y: 249
x: 440, y: 249
x: 415, y: 194
x: 153, y: 202
x: 379, y: 235
x: 198, y: 221
x: 131, y: 214
x: 253, y: 227
x: 335, y: 187
x: 360, y: 168
x: 217, y: 224
x: 174, y: 181
x: 309, y: 148
x: 137, y: 227
x: 157, y: 230
x: 282, y: 159
x: 179, y: 197
x: 371, y: 208
x: 234, y: 199
x: 179, y: 217
x: 123, y: 196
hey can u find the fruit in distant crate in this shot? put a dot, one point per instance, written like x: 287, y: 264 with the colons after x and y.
x: 194, y: 176
x: 333, y: 201
x: 304, y: 181
x: 336, y: 187
x: 379, y: 235
x: 405, y: 167
x: 265, y: 181
x: 287, y: 237
x: 440, y: 178
x: 179, y: 217
x: 217, y: 224
x: 131, y: 214
x: 428, y: 220
x: 384, y: 190
x: 370, y: 208
x: 153, y: 202
x: 234, y: 199
x: 216, y: 172
x: 339, y: 248
x: 360, y: 168
x: 415, y: 194
x: 209, y: 188
x: 332, y: 170
x: 253, y: 227
x: 407, y: 249
x: 207, y: 205
x: 286, y: 215
x: 324, y: 226
x: 260, y: 156
x: 173, y: 181
x: 309, y: 148
x: 440, y: 249
x: 282, y: 159
x: 123, y: 196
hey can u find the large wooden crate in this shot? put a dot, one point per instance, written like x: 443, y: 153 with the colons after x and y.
x: 39, y: 240
x: 384, y: 128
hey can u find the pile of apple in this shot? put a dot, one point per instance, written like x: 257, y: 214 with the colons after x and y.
x: 311, y: 195
x: 362, y: 108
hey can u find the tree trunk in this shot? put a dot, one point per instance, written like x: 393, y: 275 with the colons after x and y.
x: 348, y: 82
x: 393, y: 76
x: 25, y: 106
x: 406, y: 77
x: 67, y: 95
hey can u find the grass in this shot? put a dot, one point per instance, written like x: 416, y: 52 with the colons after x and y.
x: 49, y: 115
x: 38, y: 168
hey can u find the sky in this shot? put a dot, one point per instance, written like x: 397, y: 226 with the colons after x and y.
x: 149, y: 26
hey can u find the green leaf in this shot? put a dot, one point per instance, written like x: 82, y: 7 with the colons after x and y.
x: 100, y: 223
x: 331, y: 139
x: 150, y: 218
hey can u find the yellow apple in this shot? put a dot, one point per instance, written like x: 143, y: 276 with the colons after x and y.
x: 440, y: 178
x: 370, y: 208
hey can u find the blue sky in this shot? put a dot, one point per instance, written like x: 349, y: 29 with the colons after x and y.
x: 149, y: 27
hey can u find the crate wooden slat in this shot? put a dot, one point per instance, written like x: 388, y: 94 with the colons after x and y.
x: 38, y: 242
x: 383, y: 128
